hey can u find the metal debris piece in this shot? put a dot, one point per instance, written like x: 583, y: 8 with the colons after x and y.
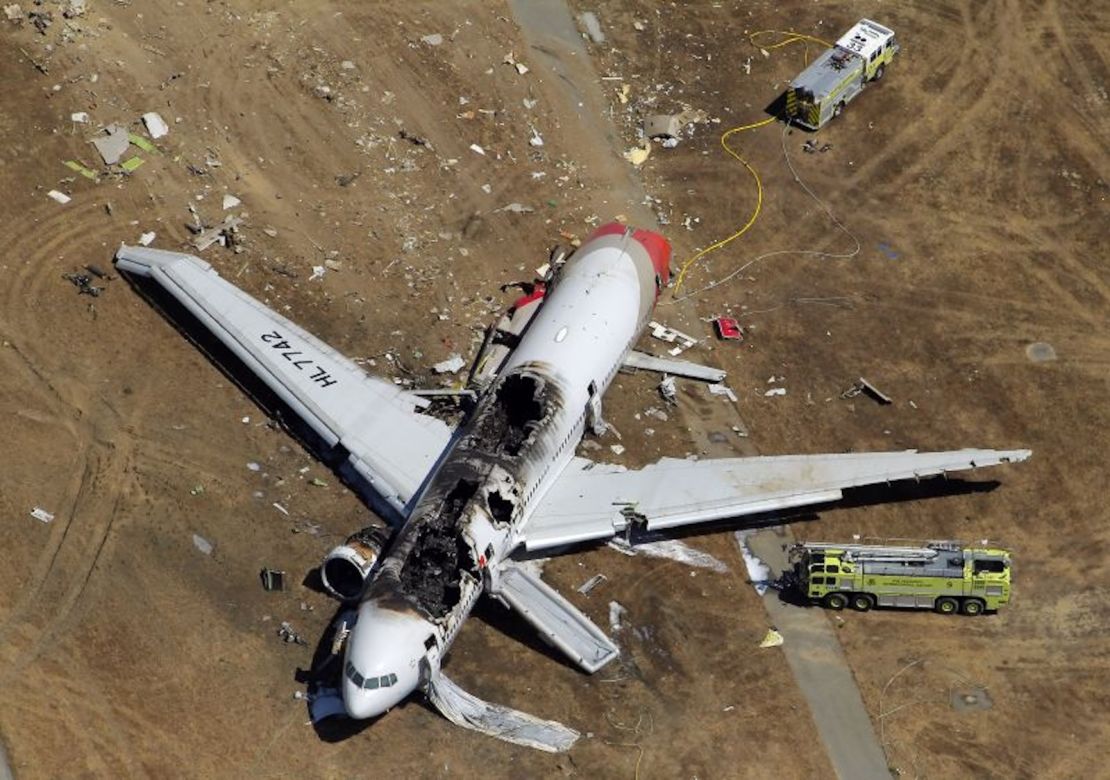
x: 516, y: 208
x: 637, y: 360
x: 272, y: 579
x: 224, y: 233
x: 77, y: 167
x: 435, y: 39
x: 146, y: 239
x: 60, y: 197
x: 728, y: 329
x: 616, y: 615
x: 156, y: 126
x: 288, y: 635
x: 451, y: 365
x: 230, y: 201
x: 725, y: 390
x: 672, y: 336
x: 42, y: 515
x: 863, y: 386
x: 637, y: 155
x: 81, y: 117
x: 113, y: 144
x: 968, y: 699
x: 668, y: 390
x: 618, y: 449
x: 775, y: 391
x: 202, y: 544
x: 586, y: 587
x: 591, y: 26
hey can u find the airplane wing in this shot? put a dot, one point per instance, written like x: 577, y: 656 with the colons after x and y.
x: 594, y: 501
x: 391, y: 446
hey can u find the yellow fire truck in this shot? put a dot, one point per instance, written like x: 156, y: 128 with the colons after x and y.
x: 822, y: 90
x: 947, y: 576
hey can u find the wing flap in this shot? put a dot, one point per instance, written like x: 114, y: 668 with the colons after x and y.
x: 391, y: 445
x: 594, y: 501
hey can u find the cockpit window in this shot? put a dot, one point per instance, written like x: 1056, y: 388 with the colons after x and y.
x: 353, y: 675
x: 371, y: 683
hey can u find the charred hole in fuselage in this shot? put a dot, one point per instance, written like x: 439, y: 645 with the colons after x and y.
x: 432, y: 572
x: 521, y: 400
x: 500, y: 508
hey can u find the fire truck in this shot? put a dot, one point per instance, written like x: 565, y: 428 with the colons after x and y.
x: 839, y: 74
x: 946, y: 576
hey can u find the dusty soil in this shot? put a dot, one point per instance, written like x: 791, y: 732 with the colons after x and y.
x: 126, y: 651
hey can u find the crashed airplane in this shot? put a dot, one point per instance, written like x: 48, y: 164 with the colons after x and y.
x: 463, y: 501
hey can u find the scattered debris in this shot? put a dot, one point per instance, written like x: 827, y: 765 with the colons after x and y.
x: 587, y: 587
x: 477, y: 149
x: 435, y: 39
x: 280, y: 508
x: 728, y: 329
x: 80, y: 117
x: 272, y: 579
x: 196, y: 490
x: 84, y: 284
x: 13, y: 13
x: 641, y: 360
x: 863, y: 386
x: 772, y: 639
x: 672, y: 336
x: 202, y: 544
x: 810, y: 147
x: 775, y: 391
x: 75, y: 8
x: 890, y: 252
x: 146, y: 239
x: 77, y: 167
x: 230, y: 201
x: 510, y: 59
x: 288, y: 635
x: 317, y: 482
x: 42, y: 515
x: 536, y: 139
x: 618, y: 449
x: 113, y: 144
x: 224, y: 233
x: 156, y: 127
x: 616, y: 614
x: 317, y: 272
x: 725, y: 390
x: 415, y: 140
x: 669, y: 127
x: 451, y: 365
x: 1040, y: 352
x: 60, y: 197
x: 98, y: 272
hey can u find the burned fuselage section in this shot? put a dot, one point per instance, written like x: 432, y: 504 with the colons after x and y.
x: 468, y: 509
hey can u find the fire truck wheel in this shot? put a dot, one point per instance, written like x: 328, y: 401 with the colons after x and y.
x: 973, y: 607
x: 862, y: 602
x: 947, y: 606
x: 879, y: 73
x: 836, y: 601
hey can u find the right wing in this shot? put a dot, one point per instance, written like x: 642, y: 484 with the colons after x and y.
x: 595, y: 501
x: 391, y: 446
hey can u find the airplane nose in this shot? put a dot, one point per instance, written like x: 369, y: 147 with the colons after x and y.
x: 382, y: 664
x: 360, y: 705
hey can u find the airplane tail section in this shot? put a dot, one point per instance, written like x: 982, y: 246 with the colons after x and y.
x: 559, y: 622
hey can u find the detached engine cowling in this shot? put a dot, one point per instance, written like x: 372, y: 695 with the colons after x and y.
x: 346, y: 568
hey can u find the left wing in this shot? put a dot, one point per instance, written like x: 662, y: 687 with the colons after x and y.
x: 595, y: 501
x: 376, y: 424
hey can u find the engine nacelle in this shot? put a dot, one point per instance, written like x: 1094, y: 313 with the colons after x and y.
x: 345, y: 568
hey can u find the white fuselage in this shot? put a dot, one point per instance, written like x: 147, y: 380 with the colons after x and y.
x: 473, y: 510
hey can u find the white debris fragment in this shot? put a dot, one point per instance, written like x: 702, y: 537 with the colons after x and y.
x: 202, y: 544
x: 280, y: 508
x: 317, y: 272
x: 530, y: 103
x: 477, y: 149
x: 672, y: 336
x: 668, y: 390
x: 156, y: 127
x: 618, y: 449
x: 451, y: 365
x: 516, y: 208
x: 42, y: 515
x: 81, y: 117
x: 146, y: 239
x: 536, y: 139
x: 722, y: 389
x: 61, y: 197
x: 616, y: 613
x: 13, y: 13
x: 112, y: 145
x: 435, y: 39
x: 637, y: 155
x: 775, y: 391
x: 230, y: 201
x: 591, y: 26
x: 254, y: 466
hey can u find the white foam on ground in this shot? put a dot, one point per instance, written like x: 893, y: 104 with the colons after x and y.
x: 759, y: 573
x: 671, y: 549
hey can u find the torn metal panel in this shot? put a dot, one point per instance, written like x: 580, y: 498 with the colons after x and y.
x: 113, y: 145
x: 467, y: 710
x: 637, y: 360
x: 865, y: 387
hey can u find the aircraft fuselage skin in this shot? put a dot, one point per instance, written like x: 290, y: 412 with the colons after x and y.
x: 524, y: 432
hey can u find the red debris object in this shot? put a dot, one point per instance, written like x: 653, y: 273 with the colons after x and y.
x: 729, y: 329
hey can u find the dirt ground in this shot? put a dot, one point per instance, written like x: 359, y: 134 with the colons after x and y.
x: 971, y: 178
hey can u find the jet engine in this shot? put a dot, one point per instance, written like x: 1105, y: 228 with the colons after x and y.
x: 346, y: 567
